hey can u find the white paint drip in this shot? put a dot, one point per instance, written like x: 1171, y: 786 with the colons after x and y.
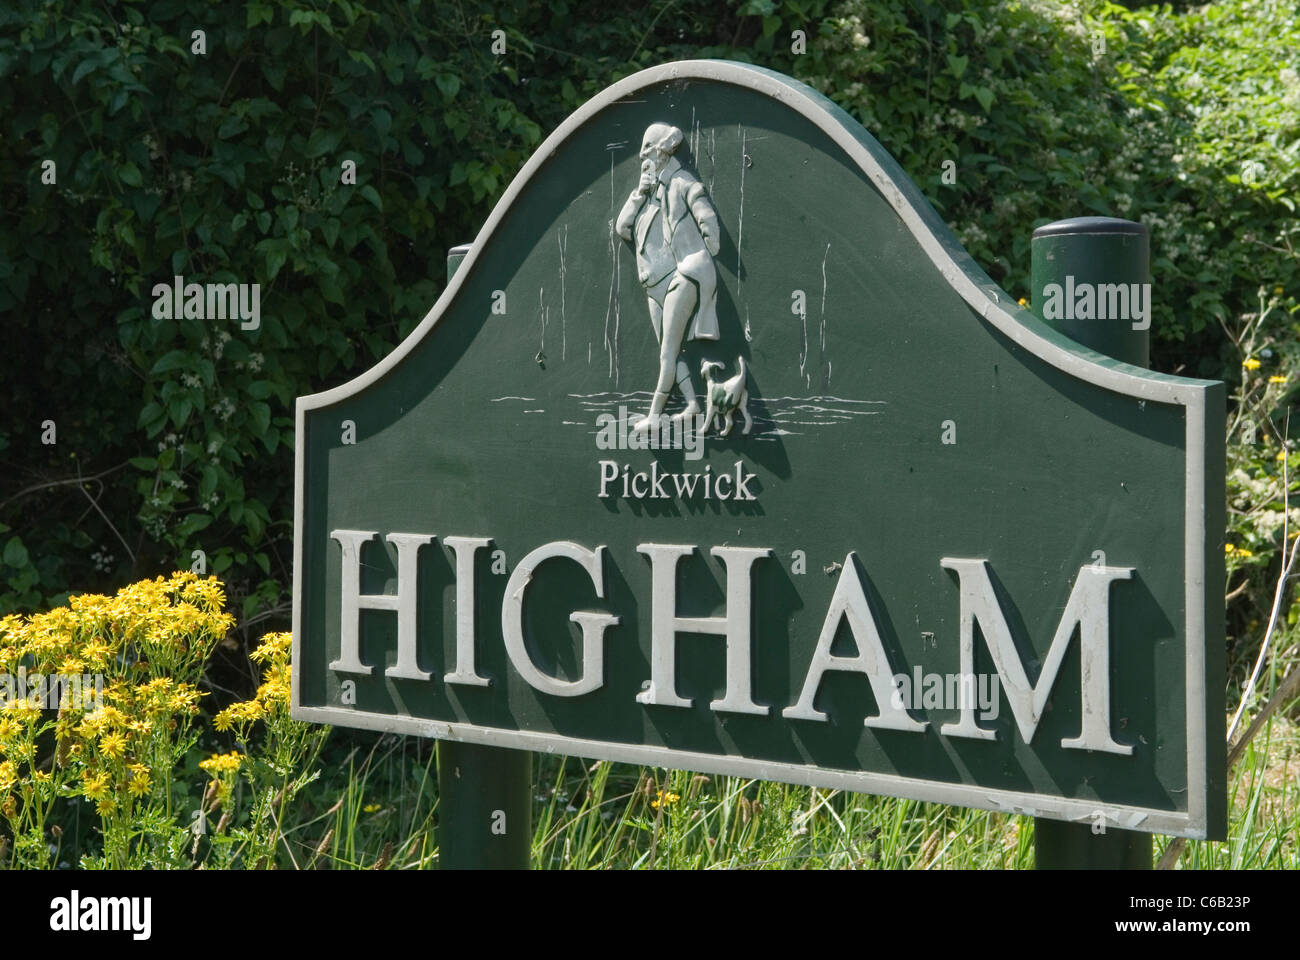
x: 610, y: 148
x: 803, y: 357
x: 824, y: 258
x: 564, y: 336
x: 541, y: 316
x: 613, y: 294
x: 713, y: 158
x: 740, y: 226
x: 618, y: 281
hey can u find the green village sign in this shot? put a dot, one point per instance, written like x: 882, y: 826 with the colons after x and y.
x: 719, y: 453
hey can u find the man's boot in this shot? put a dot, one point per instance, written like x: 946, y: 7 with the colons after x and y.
x: 688, y: 392
x: 657, y: 405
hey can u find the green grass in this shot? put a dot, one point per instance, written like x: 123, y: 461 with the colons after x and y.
x: 379, y: 806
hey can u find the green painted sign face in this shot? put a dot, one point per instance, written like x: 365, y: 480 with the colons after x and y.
x: 718, y: 452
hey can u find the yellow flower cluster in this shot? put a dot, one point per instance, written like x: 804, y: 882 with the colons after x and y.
x: 158, y: 622
x: 274, y: 648
x: 220, y: 763
x: 1250, y: 363
x: 1233, y: 550
x: 272, y: 698
x: 147, y: 646
x: 663, y: 799
x: 139, y: 783
x: 222, y: 767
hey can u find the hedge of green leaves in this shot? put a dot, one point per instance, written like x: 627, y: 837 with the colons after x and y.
x: 1189, y: 123
x: 175, y: 435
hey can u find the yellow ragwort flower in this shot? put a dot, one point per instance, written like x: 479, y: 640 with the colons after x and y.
x: 11, y: 624
x: 141, y: 727
x: 1250, y: 363
x: 95, y: 785
x: 207, y: 594
x: 274, y: 647
x: 112, y: 744
x: 665, y: 799
x: 220, y: 763
x: 1277, y: 379
x: 244, y: 710
x: 28, y: 709
x: 183, y: 701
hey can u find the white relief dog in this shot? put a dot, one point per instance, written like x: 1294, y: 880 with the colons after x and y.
x: 724, y: 398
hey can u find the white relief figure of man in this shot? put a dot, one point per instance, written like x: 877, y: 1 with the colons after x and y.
x: 673, y: 227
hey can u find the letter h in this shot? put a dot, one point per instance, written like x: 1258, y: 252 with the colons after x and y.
x: 666, y: 624
x: 403, y: 602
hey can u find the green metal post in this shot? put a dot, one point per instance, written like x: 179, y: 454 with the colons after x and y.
x: 484, y: 807
x: 1073, y: 253
x: 1093, y: 251
x: 484, y: 793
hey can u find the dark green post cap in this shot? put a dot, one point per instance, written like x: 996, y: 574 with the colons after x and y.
x: 1091, y: 280
x: 1091, y: 226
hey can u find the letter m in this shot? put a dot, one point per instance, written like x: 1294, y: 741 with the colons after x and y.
x: 118, y: 909
x: 1088, y: 609
x: 1114, y: 296
x: 222, y: 301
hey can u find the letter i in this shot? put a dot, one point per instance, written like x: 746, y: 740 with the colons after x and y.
x: 708, y: 480
x: 626, y: 467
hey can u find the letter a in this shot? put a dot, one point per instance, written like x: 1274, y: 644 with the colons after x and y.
x: 850, y: 601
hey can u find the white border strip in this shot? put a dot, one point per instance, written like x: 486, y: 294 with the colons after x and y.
x: 1168, y: 822
x: 1119, y: 378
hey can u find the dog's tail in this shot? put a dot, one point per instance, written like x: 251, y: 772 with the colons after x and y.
x: 740, y: 367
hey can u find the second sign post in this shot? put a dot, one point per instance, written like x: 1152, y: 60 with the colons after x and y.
x: 485, y: 793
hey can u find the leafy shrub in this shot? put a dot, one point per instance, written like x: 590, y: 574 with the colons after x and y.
x: 1263, y: 491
